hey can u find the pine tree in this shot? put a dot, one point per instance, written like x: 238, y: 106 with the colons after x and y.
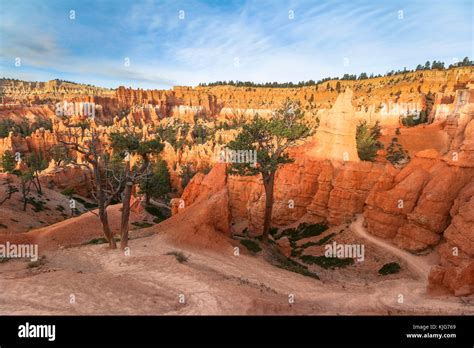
x: 129, y: 144
x: 270, y: 138
x: 7, y: 162
x: 157, y: 183
x: 367, y: 140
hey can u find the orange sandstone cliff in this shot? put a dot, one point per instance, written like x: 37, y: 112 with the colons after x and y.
x: 425, y: 206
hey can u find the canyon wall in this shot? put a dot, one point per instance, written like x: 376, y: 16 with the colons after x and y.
x: 426, y: 205
x: 383, y: 98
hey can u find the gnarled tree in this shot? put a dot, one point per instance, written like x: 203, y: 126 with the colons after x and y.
x: 129, y: 144
x: 87, y: 142
x: 270, y: 138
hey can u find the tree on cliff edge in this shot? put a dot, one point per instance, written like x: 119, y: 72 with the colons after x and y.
x: 270, y: 139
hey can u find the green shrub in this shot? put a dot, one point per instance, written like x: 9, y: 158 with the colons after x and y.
x: 390, y: 268
x: 6, y: 125
x: 273, y: 231
x: 45, y: 123
x: 157, y: 183
x: 412, y: 120
x: 296, y: 267
x: 416, y: 119
x: 186, y: 174
x: 309, y: 244
x: 396, y: 154
x: 303, y: 230
x: 7, y: 162
x: 251, y: 245
x: 367, y: 140
x: 180, y: 257
x: 142, y: 224
x: 85, y: 203
x: 288, y: 232
x: 101, y: 240
x: 201, y: 134
x: 37, y: 205
x: 296, y: 252
x: 155, y: 211
x: 322, y: 241
x: 327, y: 262
x: 68, y: 191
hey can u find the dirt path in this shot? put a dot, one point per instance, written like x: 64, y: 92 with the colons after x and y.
x: 418, y: 264
x: 410, y: 293
x: 211, y: 282
x: 151, y: 282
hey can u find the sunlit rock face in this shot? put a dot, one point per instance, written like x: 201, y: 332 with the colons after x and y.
x: 336, y: 134
x: 426, y: 205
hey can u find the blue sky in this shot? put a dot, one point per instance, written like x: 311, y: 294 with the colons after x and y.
x: 226, y: 40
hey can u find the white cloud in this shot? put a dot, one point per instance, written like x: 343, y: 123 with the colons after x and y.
x: 165, y: 51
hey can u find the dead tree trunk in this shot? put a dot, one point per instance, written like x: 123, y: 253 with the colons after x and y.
x: 147, y: 198
x: 102, y: 206
x: 131, y: 178
x: 40, y: 190
x: 127, y: 194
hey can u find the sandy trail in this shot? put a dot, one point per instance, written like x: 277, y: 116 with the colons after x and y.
x: 410, y: 293
x: 418, y: 264
x: 212, y: 282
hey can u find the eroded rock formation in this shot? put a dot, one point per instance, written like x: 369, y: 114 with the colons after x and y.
x: 427, y: 205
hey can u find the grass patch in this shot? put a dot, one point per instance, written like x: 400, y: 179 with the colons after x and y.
x: 68, y: 191
x: 390, y: 268
x: 288, y: 232
x: 293, y: 266
x: 326, y: 239
x: 327, y: 262
x: 86, y: 204
x: 260, y: 239
x: 303, y: 231
x: 296, y: 252
x: 60, y: 208
x: 37, y: 205
x: 155, y: 211
x: 251, y: 245
x: 142, y: 224
x: 273, y: 231
x: 180, y: 257
x: 101, y: 240
x: 4, y: 259
x: 322, y: 241
x: 309, y: 244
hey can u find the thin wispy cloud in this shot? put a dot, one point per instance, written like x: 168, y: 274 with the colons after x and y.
x: 186, y: 42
